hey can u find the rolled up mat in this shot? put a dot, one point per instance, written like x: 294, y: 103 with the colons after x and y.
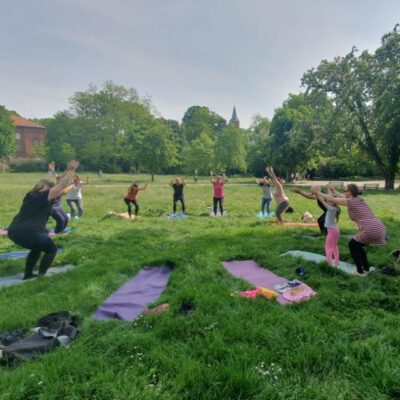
x: 251, y: 272
x: 131, y: 299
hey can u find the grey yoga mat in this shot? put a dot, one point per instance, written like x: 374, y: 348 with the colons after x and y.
x: 7, y: 281
x: 16, y: 255
x: 305, y: 255
x: 131, y: 299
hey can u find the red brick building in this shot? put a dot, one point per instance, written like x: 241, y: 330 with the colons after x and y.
x: 28, y: 134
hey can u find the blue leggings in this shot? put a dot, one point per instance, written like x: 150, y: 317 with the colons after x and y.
x: 265, y: 202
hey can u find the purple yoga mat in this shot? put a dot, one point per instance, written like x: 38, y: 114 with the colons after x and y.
x: 131, y: 299
x: 251, y: 272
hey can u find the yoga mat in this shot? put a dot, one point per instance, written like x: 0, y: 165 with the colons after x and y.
x: 16, y: 255
x: 131, y: 299
x: 177, y: 216
x: 251, y: 272
x: 7, y: 281
x: 318, y: 258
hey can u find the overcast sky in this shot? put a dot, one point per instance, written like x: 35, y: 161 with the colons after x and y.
x: 214, y: 53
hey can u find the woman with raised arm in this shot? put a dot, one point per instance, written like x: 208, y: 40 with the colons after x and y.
x: 281, y: 200
x: 218, y: 196
x: 321, y: 218
x: 177, y: 185
x: 131, y: 197
x: 28, y: 228
x: 371, y: 229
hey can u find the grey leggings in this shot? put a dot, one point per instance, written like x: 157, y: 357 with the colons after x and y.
x: 75, y: 204
x: 280, y: 209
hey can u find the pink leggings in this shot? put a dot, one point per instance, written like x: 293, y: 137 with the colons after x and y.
x: 331, y: 246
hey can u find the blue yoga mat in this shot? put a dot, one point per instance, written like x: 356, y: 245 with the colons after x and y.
x: 131, y: 299
x: 15, y: 255
x: 177, y: 216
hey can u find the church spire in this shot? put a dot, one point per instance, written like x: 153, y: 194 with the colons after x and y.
x: 234, y: 119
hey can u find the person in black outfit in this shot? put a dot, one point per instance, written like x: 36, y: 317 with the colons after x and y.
x: 321, y: 218
x: 178, y: 186
x: 28, y: 228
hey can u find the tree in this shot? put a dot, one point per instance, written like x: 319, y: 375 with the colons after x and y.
x: 157, y: 150
x: 294, y: 132
x: 231, y: 150
x: 257, y: 139
x: 200, y: 155
x: 7, y: 134
x: 365, y: 93
x: 198, y: 120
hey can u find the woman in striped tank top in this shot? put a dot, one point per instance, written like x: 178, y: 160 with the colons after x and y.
x: 371, y: 229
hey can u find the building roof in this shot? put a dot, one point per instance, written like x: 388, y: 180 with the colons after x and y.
x: 234, y: 116
x: 19, y: 121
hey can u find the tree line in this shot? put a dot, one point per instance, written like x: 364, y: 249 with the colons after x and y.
x: 346, y: 122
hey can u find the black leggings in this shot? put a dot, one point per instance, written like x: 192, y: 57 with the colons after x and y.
x: 359, y: 255
x: 321, y: 224
x: 135, y: 203
x: 218, y: 200
x: 37, y: 242
x: 182, y: 200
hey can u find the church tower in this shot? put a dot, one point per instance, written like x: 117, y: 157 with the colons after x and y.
x: 234, y: 119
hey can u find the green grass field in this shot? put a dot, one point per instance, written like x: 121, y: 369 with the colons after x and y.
x: 342, y: 344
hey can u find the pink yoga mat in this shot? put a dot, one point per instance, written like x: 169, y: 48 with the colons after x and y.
x: 251, y: 272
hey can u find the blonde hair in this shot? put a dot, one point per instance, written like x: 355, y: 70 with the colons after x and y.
x: 41, y: 185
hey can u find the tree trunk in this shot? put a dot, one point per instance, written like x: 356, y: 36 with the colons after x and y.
x: 152, y: 176
x: 389, y: 180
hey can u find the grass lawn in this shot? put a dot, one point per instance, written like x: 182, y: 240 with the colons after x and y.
x: 342, y: 344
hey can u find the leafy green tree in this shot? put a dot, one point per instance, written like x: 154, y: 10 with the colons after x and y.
x: 365, y: 92
x: 257, y: 144
x: 231, y: 149
x: 295, y: 132
x: 198, y: 120
x: 157, y: 150
x: 7, y: 134
x: 200, y: 155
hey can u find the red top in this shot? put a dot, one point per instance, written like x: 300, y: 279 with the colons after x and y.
x: 132, y: 193
x: 218, y: 190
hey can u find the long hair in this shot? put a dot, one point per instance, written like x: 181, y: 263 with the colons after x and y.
x: 40, y: 186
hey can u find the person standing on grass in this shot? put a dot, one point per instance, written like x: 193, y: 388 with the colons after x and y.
x: 281, y: 200
x: 266, y: 194
x: 178, y: 186
x: 371, y: 230
x: 131, y: 197
x: 28, y: 228
x: 321, y: 218
x: 333, y: 231
x: 218, y: 196
x: 74, y: 198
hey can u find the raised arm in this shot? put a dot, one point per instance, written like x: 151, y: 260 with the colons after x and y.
x: 333, y: 191
x: 64, y: 181
x: 143, y: 187
x: 322, y: 200
x: 307, y: 195
x: 271, y: 173
x: 327, y: 197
